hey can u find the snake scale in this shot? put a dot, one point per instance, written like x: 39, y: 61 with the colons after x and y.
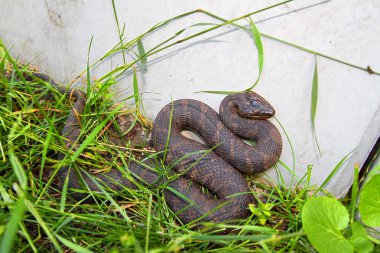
x: 241, y: 116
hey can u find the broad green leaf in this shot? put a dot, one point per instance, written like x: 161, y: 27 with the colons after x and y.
x: 322, y: 219
x: 262, y: 211
x: 360, y: 239
x: 369, y: 205
x: 374, y: 171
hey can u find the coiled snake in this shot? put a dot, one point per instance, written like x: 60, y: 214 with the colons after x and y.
x: 241, y: 116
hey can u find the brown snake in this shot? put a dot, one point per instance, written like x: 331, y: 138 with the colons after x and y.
x: 217, y: 166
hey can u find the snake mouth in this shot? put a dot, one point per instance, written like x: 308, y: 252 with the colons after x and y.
x: 266, y: 113
x: 258, y: 114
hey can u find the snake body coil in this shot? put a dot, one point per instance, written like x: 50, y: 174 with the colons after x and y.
x: 241, y: 116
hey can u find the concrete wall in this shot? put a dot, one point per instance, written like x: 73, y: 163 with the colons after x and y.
x: 56, y: 36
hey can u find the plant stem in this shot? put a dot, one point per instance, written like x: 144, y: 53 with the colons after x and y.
x: 354, y: 191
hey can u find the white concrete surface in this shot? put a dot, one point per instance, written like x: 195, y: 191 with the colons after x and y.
x: 56, y: 35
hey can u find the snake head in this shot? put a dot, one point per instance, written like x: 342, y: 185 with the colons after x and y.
x: 255, y: 106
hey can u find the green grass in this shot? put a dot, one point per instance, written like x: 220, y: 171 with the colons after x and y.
x: 38, y: 216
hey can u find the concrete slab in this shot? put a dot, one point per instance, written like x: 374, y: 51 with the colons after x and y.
x: 56, y: 35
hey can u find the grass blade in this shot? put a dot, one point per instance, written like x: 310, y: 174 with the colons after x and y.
x: 88, y: 78
x: 17, y: 215
x: 148, y: 223
x: 221, y: 238
x: 260, y: 58
x: 219, y: 92
x: 332, y: 173
x: 108, y: 196
x: 142, y: 55
x: 314, y: 102
x: 73, y: 246
x: 64, y: 193
x: 5, y: 195
x: 91, y: 137
x: 18, y: 170
x: 366, y: 69
x: 16, y: 165
x: 44, y: 226
x: 45, y: 150
x: 314, y: 94
x: 289, y: 141
x: 135, y: 88
x: 118, y: 31
x: 260, y: 51
x: 28, y: 237
x: 2, y: 153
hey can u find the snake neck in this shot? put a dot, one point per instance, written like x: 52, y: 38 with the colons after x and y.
x: 72, y: 128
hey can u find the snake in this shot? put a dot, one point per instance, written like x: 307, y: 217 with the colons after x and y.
x: 218, y: 163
